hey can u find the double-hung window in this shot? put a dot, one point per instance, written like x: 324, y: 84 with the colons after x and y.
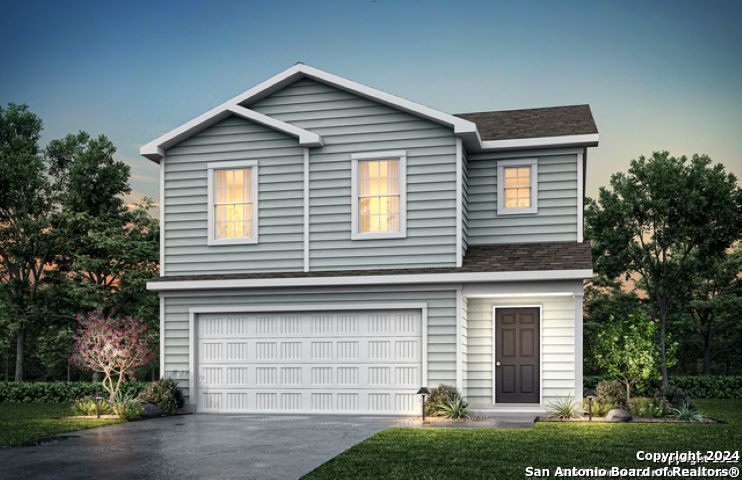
x: 233, y: 202
x: 379, y: 195
x: 517, y: 186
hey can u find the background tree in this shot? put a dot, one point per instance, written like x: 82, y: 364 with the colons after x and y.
x: 715, y: 301
x: 28, y: 213
x: 655, y: 219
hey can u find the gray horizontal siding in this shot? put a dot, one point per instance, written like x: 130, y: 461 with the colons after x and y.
x: 556, y: 219
x: 441, y: 303
x: 352, y: 124
x: 280, y: 200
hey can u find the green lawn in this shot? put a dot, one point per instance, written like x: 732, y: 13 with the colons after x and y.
x: 504, y: 454
x: 26, y: 422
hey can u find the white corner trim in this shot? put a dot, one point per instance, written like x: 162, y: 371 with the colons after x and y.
x: 540, y: 351
x: 580, y: 198
x: 459, y: 343
x: 590, y: 140
x: 579, y: 348
x: 162, y: 336
x: 400, y: 155
x: 425, y: 278
x: 306, y: 209
x: 162, y: 218
x: 520, y: 162
x: 235, y: 164
x: 459, y: 202
x: 193, y: 312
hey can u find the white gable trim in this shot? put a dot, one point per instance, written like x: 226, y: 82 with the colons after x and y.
x: 589, y: 140
x: 155, y: 149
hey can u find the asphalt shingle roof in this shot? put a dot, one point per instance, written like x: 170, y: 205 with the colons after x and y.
x: 533, y: 122
x: 491, y: 258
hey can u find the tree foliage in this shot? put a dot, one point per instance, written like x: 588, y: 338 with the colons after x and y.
x: 112, y: 346
x: 626, y: 349
x: 655, y: 219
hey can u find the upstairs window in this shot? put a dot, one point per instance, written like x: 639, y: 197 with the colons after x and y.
x: 233, y: 204
x: 379, y: 197
x: 517, y: 186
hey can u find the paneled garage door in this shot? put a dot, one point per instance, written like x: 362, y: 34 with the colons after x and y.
x: 310, y: 362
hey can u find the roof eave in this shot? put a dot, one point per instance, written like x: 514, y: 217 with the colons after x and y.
x: 585, y: 140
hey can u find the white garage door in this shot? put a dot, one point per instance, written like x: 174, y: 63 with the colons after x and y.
x: 310, y: 362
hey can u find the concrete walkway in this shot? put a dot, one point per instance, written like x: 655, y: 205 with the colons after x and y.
x: 194, y: 446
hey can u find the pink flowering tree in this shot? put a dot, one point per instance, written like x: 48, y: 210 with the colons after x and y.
x: 111, y: 346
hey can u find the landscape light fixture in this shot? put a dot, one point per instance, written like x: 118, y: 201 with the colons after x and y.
x: 590, y: 397
x: 423, y: 392
x: 98, y: 398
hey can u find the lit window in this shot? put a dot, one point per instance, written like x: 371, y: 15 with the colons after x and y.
x: 517, y: 186
x: 233, y: 202
x: 379, y: 195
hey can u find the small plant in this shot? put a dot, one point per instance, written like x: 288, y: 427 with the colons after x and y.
x: 127, y: 406
x: 677, y: 397
x: 687, y: 413
x: 165, y: 394
x: 456, y: 410
x: 611, y: 392
x: 564, y: 408
x: 87, y: 407
x: 644, y: 407
x: 439, y: 398
x: 600, y: 407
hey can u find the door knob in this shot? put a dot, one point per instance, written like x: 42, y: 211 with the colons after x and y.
x: 497, y: 364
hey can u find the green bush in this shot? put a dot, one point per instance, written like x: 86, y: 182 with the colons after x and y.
x: 564, y: 408
x: 128, y: 409
x: 675, y: 396
x: 87, y: 406
x: 600, y: 407
x: 611, y: 392
x: 695, y: 386
x: 165, y: 394
x: 57, y: 392
x: 456, y: 410
x: 440, y: 397
x: 645, y: 407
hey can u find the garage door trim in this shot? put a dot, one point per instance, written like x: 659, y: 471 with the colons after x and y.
x: 324, y: 307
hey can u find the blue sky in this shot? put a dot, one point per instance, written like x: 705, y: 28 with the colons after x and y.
x: 658, y: 75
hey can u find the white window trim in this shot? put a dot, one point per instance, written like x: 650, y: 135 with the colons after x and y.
x: 400, y: 155
x: 231, y: 165
x: 521, y: 162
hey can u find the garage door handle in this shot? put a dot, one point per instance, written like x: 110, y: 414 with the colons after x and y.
x: 497, y: 364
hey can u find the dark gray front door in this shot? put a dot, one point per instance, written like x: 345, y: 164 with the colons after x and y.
x: 517, y: 355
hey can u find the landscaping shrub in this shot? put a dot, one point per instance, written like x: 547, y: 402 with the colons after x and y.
x: 57, y: 392
x: 165, y: 394
x: 564, y: 408
x: 695, y: 386
x: 688, y: 413
x: 611, y: 392
x: 645, y: 407
x: 676, y: 397
x: 600, y: 407
x: 440, y: 397
x: 87, y: 406
x: 456, y: 410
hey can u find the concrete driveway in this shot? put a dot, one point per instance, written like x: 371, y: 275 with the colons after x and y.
x: 194, y: 446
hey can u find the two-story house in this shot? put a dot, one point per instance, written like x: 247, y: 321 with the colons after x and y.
x: 327, y: 247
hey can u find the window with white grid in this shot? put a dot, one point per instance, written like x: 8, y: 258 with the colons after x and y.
x: 379, y: 196
x: 233, y: 204
x: 517, y: 186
